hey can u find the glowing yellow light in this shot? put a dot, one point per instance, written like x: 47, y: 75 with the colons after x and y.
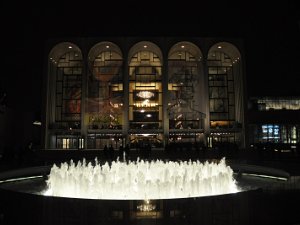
x: 145, y: 94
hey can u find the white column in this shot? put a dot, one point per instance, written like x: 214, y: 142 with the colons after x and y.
x: 126, y: 98
x: 165, y: 95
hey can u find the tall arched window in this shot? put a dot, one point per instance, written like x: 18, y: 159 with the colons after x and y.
x: 105, y: 99
x: 225, y: 98
x: 184, y: 75
x: 221, y: 89
x: 65, y: 100
x: 145, y: 90
x: 68, y: 88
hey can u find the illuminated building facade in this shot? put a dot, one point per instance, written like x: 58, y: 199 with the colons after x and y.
x: 103, y: 91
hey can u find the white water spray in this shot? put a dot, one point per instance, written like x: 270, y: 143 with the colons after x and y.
x: 141, y: 180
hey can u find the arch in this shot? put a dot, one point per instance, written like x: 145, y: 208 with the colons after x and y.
x: 187, y: 47
x: 102, y: 47
x: 227, y: 48
x: 145, y: 46
x: 61, y: 49
x: 105, y: 55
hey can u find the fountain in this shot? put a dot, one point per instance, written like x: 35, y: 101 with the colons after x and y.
x: 133, y: 192
x: 141, y: 180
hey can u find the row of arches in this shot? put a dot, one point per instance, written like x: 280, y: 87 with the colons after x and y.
x: 143, y: 91
x: 61, y: 49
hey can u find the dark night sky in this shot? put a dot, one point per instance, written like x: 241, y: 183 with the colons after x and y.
x: 271, y: 35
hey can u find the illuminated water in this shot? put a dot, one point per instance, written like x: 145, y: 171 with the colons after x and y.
x: 141, y: 180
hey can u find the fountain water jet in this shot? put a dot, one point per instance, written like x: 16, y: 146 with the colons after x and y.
x: 141, y: 180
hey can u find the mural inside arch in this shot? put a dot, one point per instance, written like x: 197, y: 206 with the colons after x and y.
x: 73, y: 102
x: 183, y: 89
x: 68, y: 88
x: 105, y: 92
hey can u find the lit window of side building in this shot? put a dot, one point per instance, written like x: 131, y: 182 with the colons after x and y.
x: 136, y: 91
x: 274, y: 121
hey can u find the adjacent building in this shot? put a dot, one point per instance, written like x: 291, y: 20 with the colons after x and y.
x: 274, y: 121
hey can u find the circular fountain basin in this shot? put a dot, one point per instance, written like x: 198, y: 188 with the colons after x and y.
x: 22, y: 201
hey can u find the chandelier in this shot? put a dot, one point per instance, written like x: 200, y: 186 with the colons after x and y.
x: 145, y: 94
x: 147, y: 206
